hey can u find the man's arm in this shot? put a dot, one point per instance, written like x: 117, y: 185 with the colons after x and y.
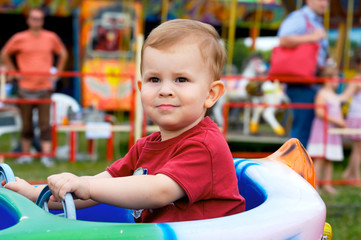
x: 291, y: 41
x: 63, y: 56
x: 7, y: 60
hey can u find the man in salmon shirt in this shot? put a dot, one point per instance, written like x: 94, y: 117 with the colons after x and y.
x: 34, y: 51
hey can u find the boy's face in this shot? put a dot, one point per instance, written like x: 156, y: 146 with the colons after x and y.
x: 175, y: 87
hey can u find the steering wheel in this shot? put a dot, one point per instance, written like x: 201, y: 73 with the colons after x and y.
x: 68, y: 203
x: 6, y: 174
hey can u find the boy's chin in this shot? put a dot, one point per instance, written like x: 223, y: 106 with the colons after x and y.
x: 171, y: 126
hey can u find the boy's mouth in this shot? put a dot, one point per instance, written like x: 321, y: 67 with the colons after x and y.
x: 166, y: 106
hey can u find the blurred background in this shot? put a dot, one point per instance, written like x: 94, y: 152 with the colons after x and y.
x: 103, y: 38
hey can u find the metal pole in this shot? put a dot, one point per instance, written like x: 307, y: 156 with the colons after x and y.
x: 257, y: 25
x: 231, y: 35
x: 2, y: 85
x: 138, y: 105
x: 165, y: 6
x: 346, y: 59
x: 326, y: 20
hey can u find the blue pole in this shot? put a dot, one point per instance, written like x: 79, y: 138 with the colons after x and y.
x: 76, y: 52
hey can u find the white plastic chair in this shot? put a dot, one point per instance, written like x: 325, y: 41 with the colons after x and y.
x: 62, y: 104
x: 10, y: 122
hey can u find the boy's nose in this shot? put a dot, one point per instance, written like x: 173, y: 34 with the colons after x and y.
x: 166, y: 89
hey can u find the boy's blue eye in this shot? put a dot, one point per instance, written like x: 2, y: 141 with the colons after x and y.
x: 181, y: 79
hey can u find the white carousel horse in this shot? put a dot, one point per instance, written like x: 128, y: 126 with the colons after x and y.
x: 240, y: 90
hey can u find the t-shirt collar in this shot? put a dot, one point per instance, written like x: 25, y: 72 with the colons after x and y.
x: 35, y: 35
x: 312, y: 14
x: 164, y: 144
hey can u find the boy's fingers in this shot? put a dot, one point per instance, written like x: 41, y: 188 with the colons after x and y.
x: 11, y: 185
x: 55, y: 183
x: 58, y: 185
x: 62, y: 194
x: 67, y: 187
x: 3, y: 182
x: 53, y: 199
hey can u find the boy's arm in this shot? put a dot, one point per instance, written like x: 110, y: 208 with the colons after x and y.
x: 31, y: 192
x: 53, y: 204
x: 24, y: 188
x: 137, y: 192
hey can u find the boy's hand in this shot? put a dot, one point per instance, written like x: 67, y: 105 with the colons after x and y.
x: 61, y: 184
x: 24, y: 188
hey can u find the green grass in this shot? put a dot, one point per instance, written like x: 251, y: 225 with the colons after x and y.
x: 343, y: 209
x: 37, y: 171
x: 344, y: 212
x: 84, y: 166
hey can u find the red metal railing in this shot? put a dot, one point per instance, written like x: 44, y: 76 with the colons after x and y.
x: 225, y: 109
x: 109, y: 154
x: 227, y: 105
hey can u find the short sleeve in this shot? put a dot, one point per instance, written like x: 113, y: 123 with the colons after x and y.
x: 294, y: 24
x: 124, y: 166
x: 12, y: 45
x: 191, y: 167
x: 58, y: 45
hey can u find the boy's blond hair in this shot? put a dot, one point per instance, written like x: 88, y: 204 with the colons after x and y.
x: 183, y: 30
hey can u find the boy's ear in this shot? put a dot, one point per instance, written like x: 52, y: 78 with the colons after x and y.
x: 215, y: 92
x: 139, y: 83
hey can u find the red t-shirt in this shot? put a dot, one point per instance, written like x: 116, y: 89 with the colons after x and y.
x: 200, y: 161
x: 34, y: 53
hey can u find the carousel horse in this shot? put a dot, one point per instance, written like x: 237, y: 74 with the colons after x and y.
x: 244, y: 90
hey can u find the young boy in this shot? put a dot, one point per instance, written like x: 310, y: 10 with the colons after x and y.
x: 185, y: 171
